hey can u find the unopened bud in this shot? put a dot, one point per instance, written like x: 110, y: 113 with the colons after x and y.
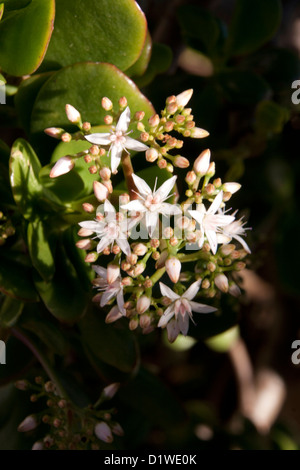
x: 22, y: 384
x: 29, y: 423
x: 226, y: 250
x: 221, y: 282
x: 117, y: 429
x: 85, y: 232
x: 198, y: 133
x: 91, y: 257
x: 111, y: 390
x: 133, y: 324
x: 85, y: 244
x: 211, y: 266
x: 154, y: 243
x: 231, y: 187
x: 124, y: 199
x: 162, y: 163
x: 62, y: 166
x: 190, y: 177
x: 105, y: 173
x: 139, y: 269
x: 154, y: 120
x: 123, y: 102
x: 106, y: 103
x: 144, y: 136
x: 108, y: 186
x: 172, y: 108
x: 210, y: 189
x: 93, y: 169
x: 55, y: 132
x: 108, y: 120
x: 139, y: 115
x: 145, y: 321
x: 140, y: 249
x: 103, y: 432
x: 100, y: 191
x: 205, y: 284
x: 116, y: 249
x: 86, y: 126
x: 151, y: 155
x: 201, y: 163
x: 87, y: 207
x: 234, y: 290
x: 72, y: 114
x: 38, y: 445
x: 113, y: 315
x: 183, y: 98
x: 173, y: 268
x: 143, y: 304
x: 181, y: 162
x: 211, y: 169
x: 66, y: 137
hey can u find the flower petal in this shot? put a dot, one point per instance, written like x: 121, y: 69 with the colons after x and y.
x: 167, y: 315
x: 135, y: 205
x: 216, y: 203
x: 104, y: 242
x: 169, y: 209
x: 167, y: 292
x: 198, y: 216
x: 141, y: 186
x: 100, y: 270
x: 202, y: 308
x: 173, y: 330
x: 115, y: 157
x: 99, y: 139
x: 124, y: 120
x: 107, y: 295
x: 151, y: 222
x: 120, y: 301
x: 192, y: 290
x: 242, y: 242
x: 91, y: 225
x: 133, y: 144
x: 212, y: 240
x: 124, y: 245
x: 183, y: 323
x: 165, y: 188
x: 110, y: 211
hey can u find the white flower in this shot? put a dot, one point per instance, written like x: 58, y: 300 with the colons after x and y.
x: 182, y: 308
x: 210, y: 222
x: 233, y: 230
x: 118, y: 140
x: 110, y: 290
x: 109, y: 230
x: 152, y: 203
x: 62, y: 166
x: 103, y: 432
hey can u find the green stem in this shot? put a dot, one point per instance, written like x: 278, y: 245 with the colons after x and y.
x: 41, y: 358
x: 193, y: 256
x: 157, y: 275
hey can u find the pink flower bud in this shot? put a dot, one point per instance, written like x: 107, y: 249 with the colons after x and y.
x: 183, y: 98
x: 234, y: 290
x: 198, y: 133
x: 38, y: 445
x: 190, y: 177
x: 117, y: 429
x: 143, y: 304
x: 100, y: 191
x: 29, y: 423
x: 105, y: 173
x: 151, y: 155
x: 85, y: 232
x: 72, y: 114
x: 173, y: 268
x: 231, y: 187
x: 221, y: 282
x: 211, y: 169
x: 140, y: 249
x: 106, y: 103
x: 113, y: 315
x: 123, y: 102
x: 113, y: 272
x: 103, y: 432
x: 181, y: 162
x: 87, y: 207
x: 201, y: 164
x: 55, y: 132
x: 108, y: 186
x: 85, y: 244
x: 145, y: 321
x: 154, y: 120
x: 111, y: 390
x: 62, y: 166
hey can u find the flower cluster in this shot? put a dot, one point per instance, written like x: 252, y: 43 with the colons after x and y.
x: 71, y: 427
x: 154, y: 234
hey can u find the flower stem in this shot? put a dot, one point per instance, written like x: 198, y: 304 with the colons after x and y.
x: 193, y: 256
x: 157, y: 275
x: 128, y: 171
x: 19, y: 334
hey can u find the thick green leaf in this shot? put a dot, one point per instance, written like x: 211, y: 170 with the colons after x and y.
x: 148, y: 395
x: 82, y: 85
x: 96, y: 31
x: 112, y: 344
x: 254, y: 22
x: 64, y: 295
x: 139, y: 67
x: 24, y: 36
x: 44, y: 329
x: 243, y: 86
x: 39, y: 248
x: 270, y: 117
x: 199, y: 25
x: 26, y: 95
x: 16, y: 280
x: 160, y: 61
x: 24, y: 170
x: 10, y: 311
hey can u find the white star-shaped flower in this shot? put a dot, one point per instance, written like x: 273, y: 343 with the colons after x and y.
x: 118, y: 140
x: 109, y: 230
x: 152, y: 203
x: 210, y: 222
x: 110, y: 290
x: 234, y: 230
x: 181, y: 308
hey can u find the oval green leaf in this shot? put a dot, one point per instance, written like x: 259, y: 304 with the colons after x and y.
x: 96, y: 31
x: 24, y: 36
x: 39, y: 248
x: 83, y: 85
